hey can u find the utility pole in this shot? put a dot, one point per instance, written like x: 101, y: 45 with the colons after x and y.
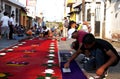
x: 102, y: 27
x: 83, y: 10
x: 93, y: 4
x: 104, y: 10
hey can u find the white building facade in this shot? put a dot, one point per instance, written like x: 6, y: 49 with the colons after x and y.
x: 112, y: 29
x: 12, y: 7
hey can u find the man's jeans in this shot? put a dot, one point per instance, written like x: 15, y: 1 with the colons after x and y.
x: 96, y: 61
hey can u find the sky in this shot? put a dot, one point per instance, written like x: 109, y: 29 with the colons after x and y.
x: 53, y: 10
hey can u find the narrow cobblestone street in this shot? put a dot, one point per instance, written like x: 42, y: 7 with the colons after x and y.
x: 36, y: 37
x: 64, y: 46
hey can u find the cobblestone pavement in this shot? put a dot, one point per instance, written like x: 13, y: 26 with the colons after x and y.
x: 6, y: 43
x: 114, y: 72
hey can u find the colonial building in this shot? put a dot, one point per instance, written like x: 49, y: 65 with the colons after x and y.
x: 12, y: 7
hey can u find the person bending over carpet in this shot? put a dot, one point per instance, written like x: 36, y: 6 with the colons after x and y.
x: 102, y: 55
x: 78, y: 35
x: 76, y: 45
x: 45, y: 31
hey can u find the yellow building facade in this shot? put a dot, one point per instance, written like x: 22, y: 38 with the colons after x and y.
x: 72, y: 12
x: 25, y: 20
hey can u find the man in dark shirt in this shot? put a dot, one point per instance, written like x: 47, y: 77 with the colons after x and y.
x: 102, y: 54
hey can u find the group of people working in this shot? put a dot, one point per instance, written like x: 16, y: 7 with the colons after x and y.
x: 43, y: 32
x: 100, y: 52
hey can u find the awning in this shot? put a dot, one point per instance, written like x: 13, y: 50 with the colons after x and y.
x: 78, y: 5
x: 16, y: 3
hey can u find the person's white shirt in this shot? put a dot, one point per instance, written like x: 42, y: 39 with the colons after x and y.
x: 5, y: 20
x: 85, y: 28
x: 47, y: 29
x: 12, y: 21
x: 70, y: 31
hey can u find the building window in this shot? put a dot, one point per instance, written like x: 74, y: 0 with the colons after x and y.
x: 88, y: 15
x: 17, y: 15
x: 8, y: 9
x: 110, y: 1
x: 97, y: 12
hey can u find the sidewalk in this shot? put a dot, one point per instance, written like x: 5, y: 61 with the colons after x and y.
x: 6, y: 43
x: 64, y: 46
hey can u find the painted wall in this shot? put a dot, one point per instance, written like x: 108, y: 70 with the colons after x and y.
x: 23, y: 19
x: 73, y: 17
x: 13, y: 8
x: 112, y: 19
x: 71, y: 1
